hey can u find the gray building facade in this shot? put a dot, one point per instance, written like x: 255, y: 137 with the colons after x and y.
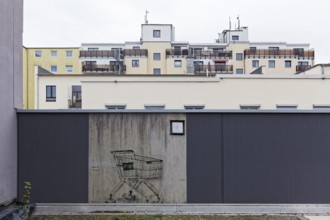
x: 11, y: 26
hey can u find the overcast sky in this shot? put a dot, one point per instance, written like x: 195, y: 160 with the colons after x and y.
x: 56, y: 23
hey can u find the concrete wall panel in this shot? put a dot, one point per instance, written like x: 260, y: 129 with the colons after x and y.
x: 147, y: 135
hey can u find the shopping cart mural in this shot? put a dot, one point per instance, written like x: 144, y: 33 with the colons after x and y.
x: 136, y: 173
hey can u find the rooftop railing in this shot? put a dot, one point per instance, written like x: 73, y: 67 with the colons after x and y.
x: 112, y: 53
x: 301, y: 68
x: 96, y: 68
x: 200, y: 54
x: 284, y: 53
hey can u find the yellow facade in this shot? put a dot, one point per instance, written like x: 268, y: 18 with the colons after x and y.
x: 156, y: 47
x: 66, y: 61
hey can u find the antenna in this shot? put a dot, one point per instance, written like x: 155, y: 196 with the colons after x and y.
x: 239, y: 25
x: 229, y: 23
x: 146, y: 17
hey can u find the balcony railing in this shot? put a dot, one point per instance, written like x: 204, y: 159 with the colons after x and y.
x: 170, y: 52
x: 74, y: 104
x: 200, y: 54
x: 199, y: 69
x: 301, y: 68
x: 284, y: 53
x: 136, y: 52
x: 103, y: 68
x: 112, y: 53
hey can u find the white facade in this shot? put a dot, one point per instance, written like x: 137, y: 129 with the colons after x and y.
x: 302, y: 92
x: 150, y: 32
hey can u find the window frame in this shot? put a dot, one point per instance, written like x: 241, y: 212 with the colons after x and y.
x: 177, y: 61
x: 37, y: 52
x: 269, y: 62
x: 235, y: 36
x: 51, y: 93
x: 239, y: 56
x: 135, y: 63
x: 160, y: 72
x: 51, y: 53
x: 287, y: 61
x: 51, y: 70
x: 257, y: 62
x: 156, y: 33
x: 239, y: 73
x: 154, y: 56
x: 66, y: 68
x: 66, y: 53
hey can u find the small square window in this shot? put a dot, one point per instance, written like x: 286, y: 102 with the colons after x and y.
x: 235, y: 37
x: 53, y: 53
x: 239, y: 56
x: 53, y: 69
x: 135, y: 63
x: 177, y: 63
x: 136, y: 48
x: 38, y: 53
x: 69, y: 53
x: 239, y: 71
x: 271, y: 63
x: 156, y: 56
x: 255, y: 63
x: 287, y: 63
x: 156, y: 33
x: 69, y: 68
x: 177, y: 127
x: 156, y: 71
x: 51, y: 93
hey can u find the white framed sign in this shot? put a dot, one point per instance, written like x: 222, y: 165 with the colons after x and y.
x: 177, y: 127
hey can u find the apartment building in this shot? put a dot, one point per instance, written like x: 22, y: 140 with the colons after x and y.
x: 56, y: 60
x: 158, y: 53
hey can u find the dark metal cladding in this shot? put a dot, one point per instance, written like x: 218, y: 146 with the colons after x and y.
x: 53, y: 156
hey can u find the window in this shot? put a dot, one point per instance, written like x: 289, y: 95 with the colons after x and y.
x: 53, y: 69
x: 37, y: 53
x: 154, y: 107
x: 69, y: 68
x: 177, y: 47
x: 255, y: 63
x: 271, y: 63
x: 92, y: 49
x: 239, y: 56
x: 53, y: 53
x: 69, y: 53
x: 156, y: 56
x: 156, y: 71
x: 51, y: 93
x: 303, y: 63
x: 235, y: 37
x: 75, y: 101
x: 250, y: 106
x: 115, y: 106
x: 194, y: 107
x: 239, y: 71
x: 287, y: 63
x: 177, y: 63
x: 135, y: 63
x: 253, y: 48
x: 286, y: 107
x: 273, y: 48
x: 157, y: 33
x: 136, y: 48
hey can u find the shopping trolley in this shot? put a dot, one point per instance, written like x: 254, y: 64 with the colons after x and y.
x: 135, y: 171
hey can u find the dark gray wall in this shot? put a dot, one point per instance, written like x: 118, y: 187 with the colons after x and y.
x: 53, y: 156
x: 276, y: 158
x: 11, y: 26
x: 204, y: 158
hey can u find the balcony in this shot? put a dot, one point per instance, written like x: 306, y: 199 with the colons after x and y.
x: 302, y: 68
x: 226, y: 55
x: 308, y: 54
x: 170, y: 52
x: 199, y: 69
x: 112, y: 53
x: 136, y: 52
x: 103, y: 68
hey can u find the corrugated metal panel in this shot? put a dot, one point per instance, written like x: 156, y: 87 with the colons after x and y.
x: 204, y: 158
x: 53, y: 156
